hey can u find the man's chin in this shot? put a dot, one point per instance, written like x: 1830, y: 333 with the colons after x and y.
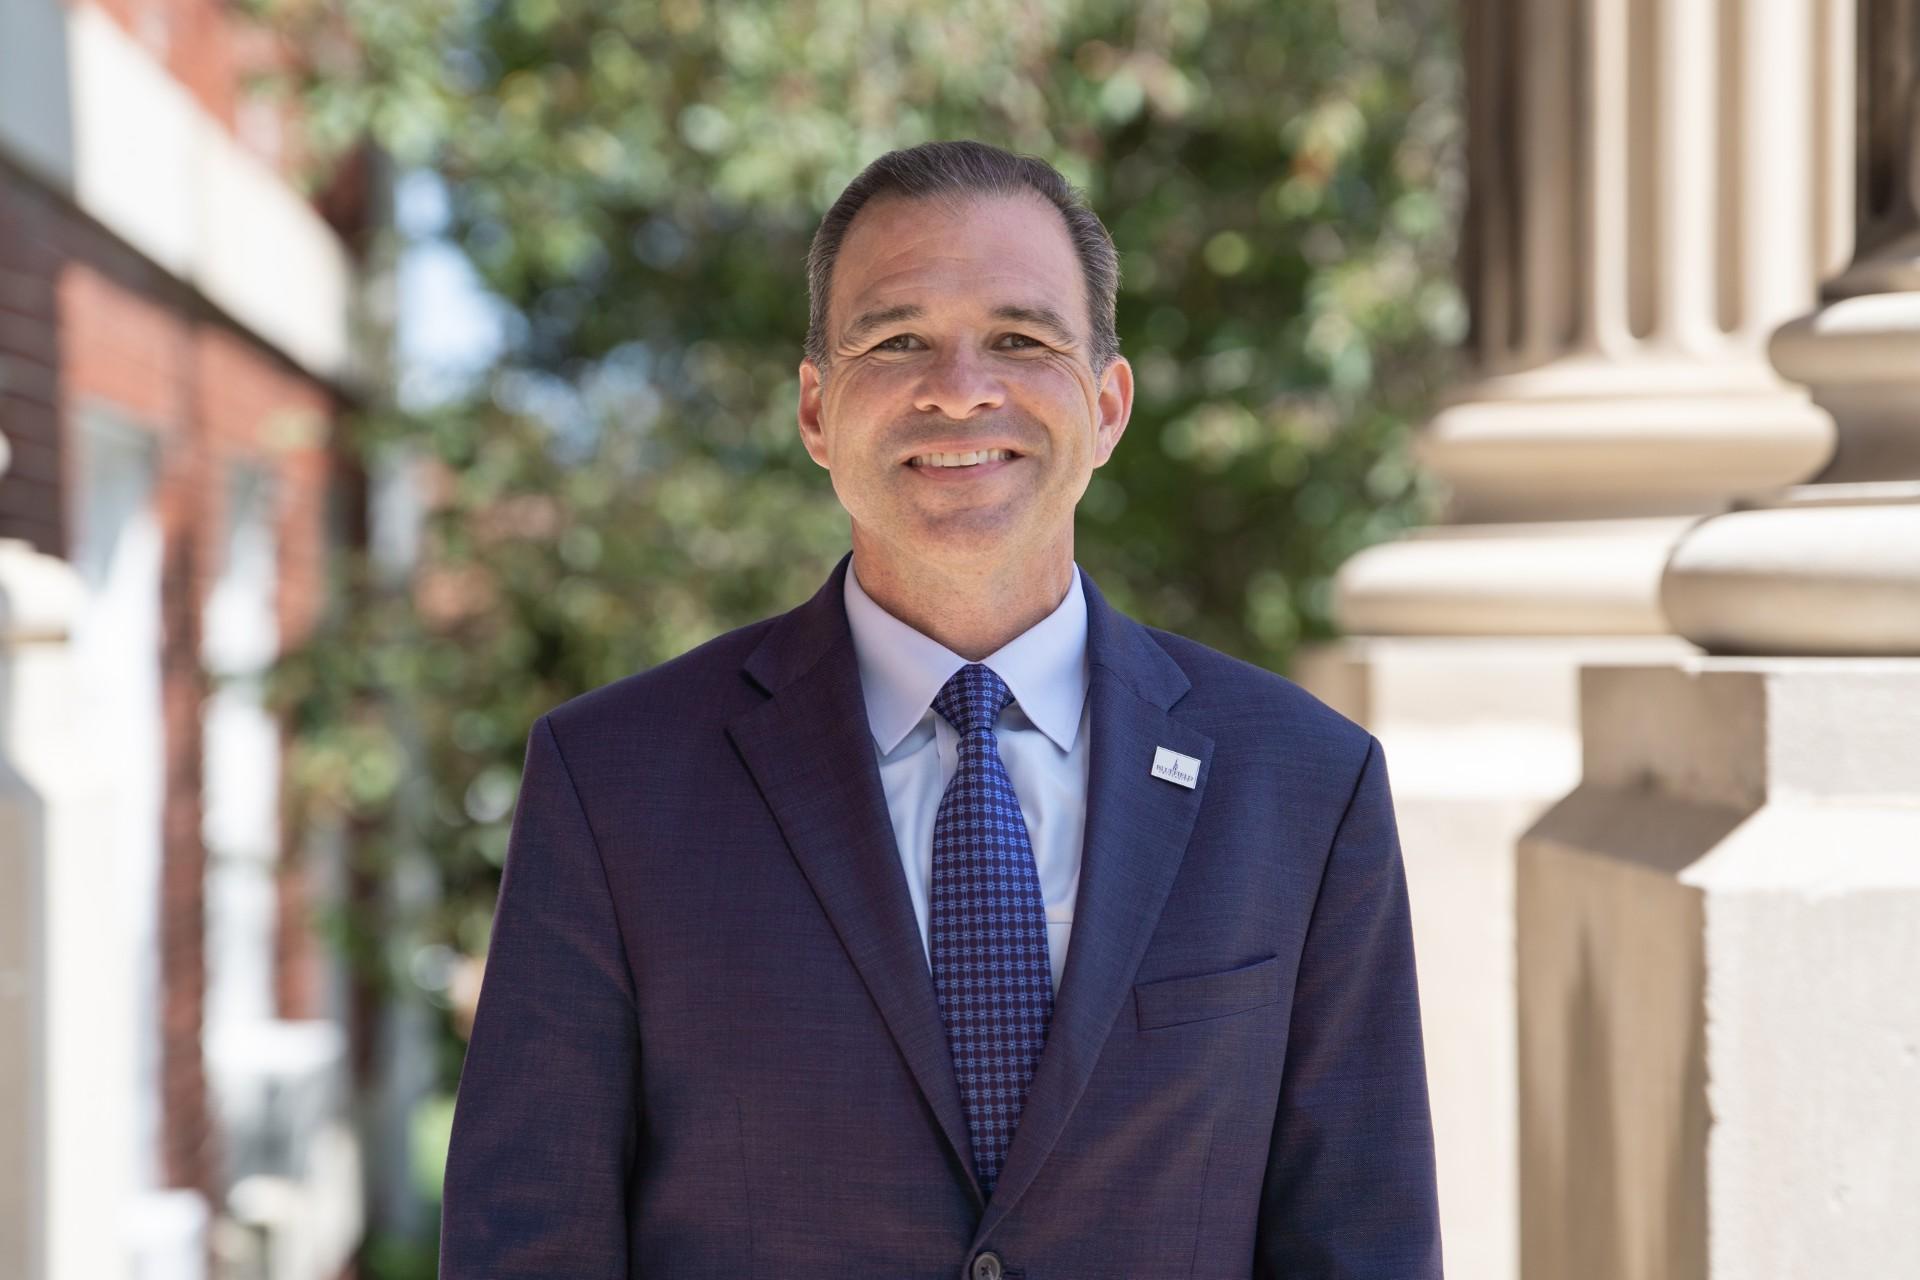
x: 983, y: 534
x: 979, y: 534
x: 955, y: 545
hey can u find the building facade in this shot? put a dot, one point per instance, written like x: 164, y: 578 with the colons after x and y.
x: 177, y: 336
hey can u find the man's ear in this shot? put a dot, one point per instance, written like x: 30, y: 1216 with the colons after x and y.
x: 1114, y: 406
x: 813, y: 434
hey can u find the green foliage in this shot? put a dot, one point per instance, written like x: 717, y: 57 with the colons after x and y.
x: 637, y: 182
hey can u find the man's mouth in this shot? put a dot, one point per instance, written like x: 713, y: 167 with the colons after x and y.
x: 971, y: 459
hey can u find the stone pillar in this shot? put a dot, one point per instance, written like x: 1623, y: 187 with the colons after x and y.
x: 1654, y: 186
x: 1719, y: 933
x: 64, y: 1015
x: 23, y: 1147
x: 1833, y: 567
x: 1719, y: 929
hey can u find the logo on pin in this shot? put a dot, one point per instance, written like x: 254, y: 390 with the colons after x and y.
x: 1175, y: 767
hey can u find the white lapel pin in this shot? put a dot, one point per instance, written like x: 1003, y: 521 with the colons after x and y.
x: 1175, y: 767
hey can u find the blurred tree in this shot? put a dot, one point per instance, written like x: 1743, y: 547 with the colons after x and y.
x: 637, y: 182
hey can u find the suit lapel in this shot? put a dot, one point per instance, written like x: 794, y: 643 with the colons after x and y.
x: 1136, y: 834
x: 811, y: 753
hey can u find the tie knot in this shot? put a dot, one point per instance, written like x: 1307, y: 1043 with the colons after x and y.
x: 971, y: 699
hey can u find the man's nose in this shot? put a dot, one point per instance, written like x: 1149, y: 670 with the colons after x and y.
x: 958, y: 382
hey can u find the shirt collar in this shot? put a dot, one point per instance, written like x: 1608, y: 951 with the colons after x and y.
x: 902, y: 669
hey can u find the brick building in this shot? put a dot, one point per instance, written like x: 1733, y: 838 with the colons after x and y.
x: 177, y: 336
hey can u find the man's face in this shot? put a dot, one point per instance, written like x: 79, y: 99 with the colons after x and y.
x: 940, y: 339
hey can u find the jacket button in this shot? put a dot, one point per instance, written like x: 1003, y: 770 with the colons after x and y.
x: 987, y: 1266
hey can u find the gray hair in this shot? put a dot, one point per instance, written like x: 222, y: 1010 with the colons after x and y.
x: 949, y: 171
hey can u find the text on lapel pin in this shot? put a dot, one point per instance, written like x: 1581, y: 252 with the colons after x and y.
x: 1175, y: 767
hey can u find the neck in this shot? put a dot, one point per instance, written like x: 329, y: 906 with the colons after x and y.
x: 972, y: 608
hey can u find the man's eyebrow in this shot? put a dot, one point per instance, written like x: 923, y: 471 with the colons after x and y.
x: 872, y: 320
x: 1039, y: 317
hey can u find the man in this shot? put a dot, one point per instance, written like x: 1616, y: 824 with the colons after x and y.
x: 951, y: 924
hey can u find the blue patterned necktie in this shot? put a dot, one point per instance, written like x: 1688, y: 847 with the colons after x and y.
x: 989, y: 925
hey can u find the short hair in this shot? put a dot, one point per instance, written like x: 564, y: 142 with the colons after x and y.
x: 952, y: 171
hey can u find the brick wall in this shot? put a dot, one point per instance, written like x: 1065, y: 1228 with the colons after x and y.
x: 32, y: 492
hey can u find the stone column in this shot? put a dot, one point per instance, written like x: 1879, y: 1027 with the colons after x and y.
x: 23, y: 1147
x: 1833, y: 567
x: 63, y: 1012
x: 1719, y: 934
x: 1654, y: 186
x: 1719, y: 929
x: 22, y: 1078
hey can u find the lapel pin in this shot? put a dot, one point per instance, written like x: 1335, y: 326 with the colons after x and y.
x: 1175, y: 767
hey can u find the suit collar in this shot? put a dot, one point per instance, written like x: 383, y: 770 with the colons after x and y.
x: 902, y: 669
x: 804, y: 635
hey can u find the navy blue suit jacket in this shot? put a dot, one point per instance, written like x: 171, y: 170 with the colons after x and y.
x: 707, y: 1045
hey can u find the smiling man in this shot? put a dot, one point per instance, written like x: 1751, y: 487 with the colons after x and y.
x: 951, y: 924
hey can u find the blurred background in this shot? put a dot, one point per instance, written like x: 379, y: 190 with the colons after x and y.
x: 1537, y: 381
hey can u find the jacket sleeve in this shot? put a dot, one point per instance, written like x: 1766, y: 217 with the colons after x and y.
x: 545, y: 1124
x: 1349, y: 1191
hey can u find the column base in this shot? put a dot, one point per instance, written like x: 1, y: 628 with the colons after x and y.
x: 1861, y: 358
x: 1718, y: 932
x: 1822, y: 569
x: 1480, y: 736
x: 1584, y: 438
x: 1563, y: 578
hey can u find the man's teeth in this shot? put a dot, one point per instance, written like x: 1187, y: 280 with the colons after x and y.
x: 959, y: 459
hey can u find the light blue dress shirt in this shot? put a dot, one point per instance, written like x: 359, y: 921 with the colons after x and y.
x: 1043, y: 735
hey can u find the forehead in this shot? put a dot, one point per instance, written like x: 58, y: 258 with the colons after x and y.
x: 980, y: 252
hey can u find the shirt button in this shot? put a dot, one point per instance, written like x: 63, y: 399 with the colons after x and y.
x: 987, y: 1266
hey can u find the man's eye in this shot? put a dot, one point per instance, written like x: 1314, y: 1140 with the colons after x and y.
x: 888, y: 344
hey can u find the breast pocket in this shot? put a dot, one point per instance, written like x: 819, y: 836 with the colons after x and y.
x: 1172, y: 1001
